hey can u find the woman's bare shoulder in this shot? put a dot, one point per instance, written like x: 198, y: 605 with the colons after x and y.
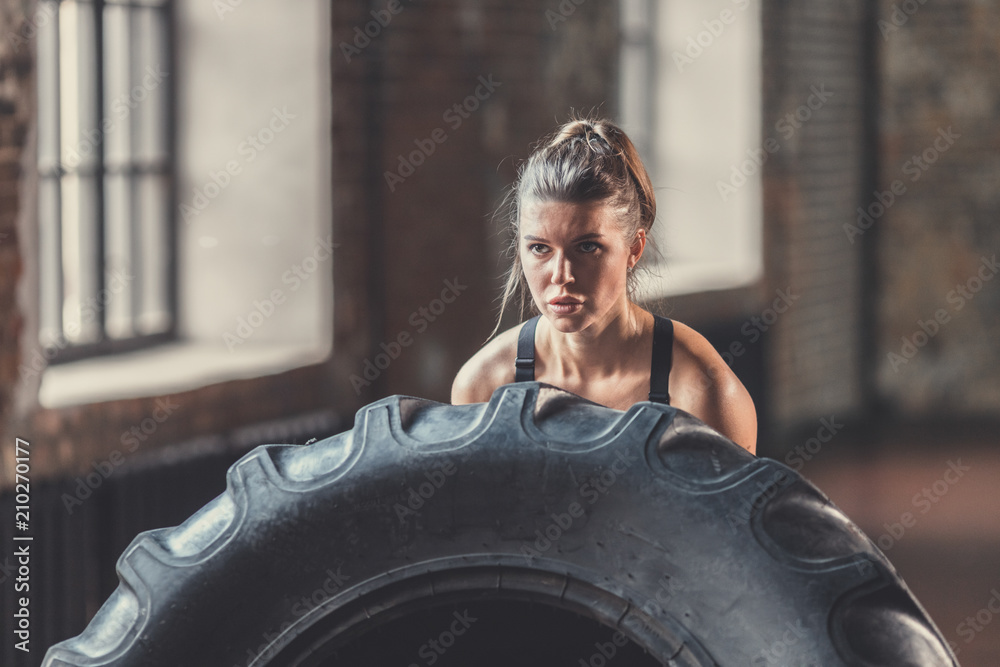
x: 708, y: 388
x: 693, y: 347
x: 489, y: 368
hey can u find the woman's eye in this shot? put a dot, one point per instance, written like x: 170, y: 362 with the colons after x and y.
x: 537, y: 249
x: 589, y: 246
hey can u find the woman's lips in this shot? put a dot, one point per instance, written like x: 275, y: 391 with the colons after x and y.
x: 565, y: 305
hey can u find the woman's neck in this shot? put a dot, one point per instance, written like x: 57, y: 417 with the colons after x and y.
x: 600, y: 349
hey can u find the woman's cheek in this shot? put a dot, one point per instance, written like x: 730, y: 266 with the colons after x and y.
x: 608, y: 281
x: 534, y: 275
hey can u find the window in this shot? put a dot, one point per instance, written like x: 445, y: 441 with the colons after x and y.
x: 105, y: 176
x: 244, y: 237
x: 690, y: 97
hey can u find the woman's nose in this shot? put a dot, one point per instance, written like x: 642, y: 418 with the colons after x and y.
x: 562, y: 272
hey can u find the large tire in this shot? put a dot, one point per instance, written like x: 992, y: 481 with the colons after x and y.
x: 551, y: 516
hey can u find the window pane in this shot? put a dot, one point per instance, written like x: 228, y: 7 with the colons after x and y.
x: 48, y: 86
x: 149, y: 84
x: 117, y: 82
x: 50, y: 253
x: 80, y: 258
x: 78, y: 62
x: 139, y: 3
x: 118, y: 256
x: 154, y: 245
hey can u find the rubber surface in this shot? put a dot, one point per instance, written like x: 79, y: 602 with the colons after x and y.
x: 646, y: 521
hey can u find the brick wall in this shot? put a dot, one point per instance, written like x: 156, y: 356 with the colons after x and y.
x: 939, y: 73
x: 412, y: 232
x: 881, y: 211
x: 16, y: 113
x: 813, y: 70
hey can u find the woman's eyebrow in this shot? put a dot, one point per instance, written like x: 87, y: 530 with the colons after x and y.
x: 582, y: 237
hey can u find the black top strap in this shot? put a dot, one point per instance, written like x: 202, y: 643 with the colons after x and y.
x: 659, y: 373
x: 663, y: 349
x: 524, y: 365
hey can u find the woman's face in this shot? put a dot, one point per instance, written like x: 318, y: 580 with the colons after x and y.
x: 575, y: 260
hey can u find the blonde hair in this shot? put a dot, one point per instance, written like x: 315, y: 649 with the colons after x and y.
x: 585, y: 160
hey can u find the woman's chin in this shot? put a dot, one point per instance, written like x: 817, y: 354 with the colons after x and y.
x: 567, y: 322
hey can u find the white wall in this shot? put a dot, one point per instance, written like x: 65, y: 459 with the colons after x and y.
x: 236, y: 68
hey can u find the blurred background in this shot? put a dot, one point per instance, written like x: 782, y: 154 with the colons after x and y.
x: 237, y: 222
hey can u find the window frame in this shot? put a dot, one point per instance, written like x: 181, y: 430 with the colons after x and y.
x: 58, y: 346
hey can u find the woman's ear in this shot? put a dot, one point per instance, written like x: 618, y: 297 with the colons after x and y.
x: 638, y: 245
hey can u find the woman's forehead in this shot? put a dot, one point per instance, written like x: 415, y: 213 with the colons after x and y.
x: 560, y: 218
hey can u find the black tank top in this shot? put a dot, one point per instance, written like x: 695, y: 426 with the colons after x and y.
x: 659, y: 373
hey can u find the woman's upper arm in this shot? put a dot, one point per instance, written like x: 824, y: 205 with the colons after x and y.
x: 489, y: 368
x: 480, y: 376
x: 467, y: 385
x: 729, y: 409
x: 711, y: 391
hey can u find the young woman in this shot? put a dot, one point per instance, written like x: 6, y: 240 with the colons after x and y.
x: 581, y: 211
